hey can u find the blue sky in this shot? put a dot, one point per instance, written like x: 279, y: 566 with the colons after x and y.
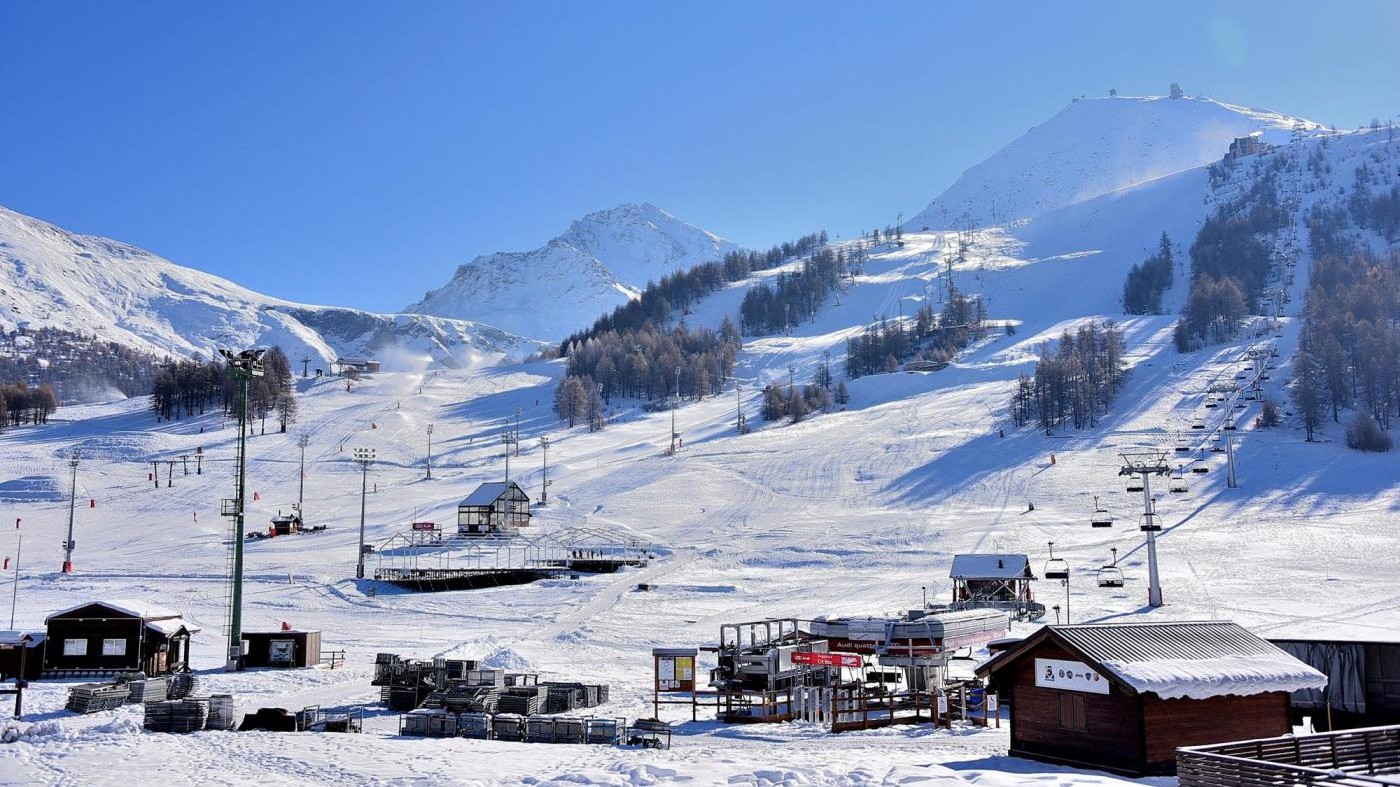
x: 354, y: 153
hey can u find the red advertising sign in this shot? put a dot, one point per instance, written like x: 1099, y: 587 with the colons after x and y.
x: 826, y: 659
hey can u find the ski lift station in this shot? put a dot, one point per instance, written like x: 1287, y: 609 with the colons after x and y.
x: 990, y: 581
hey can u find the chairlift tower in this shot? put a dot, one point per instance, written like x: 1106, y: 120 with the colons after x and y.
x: 242, y: 367
x: 1147, y: 463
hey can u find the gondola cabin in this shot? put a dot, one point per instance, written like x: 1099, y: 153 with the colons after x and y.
x: 1123, y: 697
x: 498, y: 507
x: 117, y: 636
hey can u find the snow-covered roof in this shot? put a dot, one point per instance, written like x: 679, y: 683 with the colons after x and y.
x: 169, y: 626
x: 1195, y: 660
x: 991, y: 567
x: 13, y: 637
x: 487, y: 493
x: 136, y: 609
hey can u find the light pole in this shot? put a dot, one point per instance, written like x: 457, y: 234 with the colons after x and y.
x: 242, y: 367
x: 738, y: 403
x: 544, y: 471
x: 302, y: 440
x: 674, y: 407
x: 72, y: 504
x: 365, y: 457
x: 14, y: 592
x: 506, y: 439
x: 516, y: 438
x: 430, y: 452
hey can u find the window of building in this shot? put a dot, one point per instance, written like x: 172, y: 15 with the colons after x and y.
x: 1072, y: 712
x: 75, y: 647
x: 114, y: 647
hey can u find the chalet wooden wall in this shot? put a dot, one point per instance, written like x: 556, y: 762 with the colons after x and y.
x: 1112, y: 734
x: 1184, y: 722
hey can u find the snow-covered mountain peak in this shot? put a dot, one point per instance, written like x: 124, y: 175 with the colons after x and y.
x: 600, y: 261
x: 50, y: 277
x: 1095, y: 146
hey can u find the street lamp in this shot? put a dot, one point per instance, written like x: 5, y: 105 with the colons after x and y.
x: 242, y: 367
x: 365, y: 457
x: 430, y: 452
x: 72, y: 503
x: 738, y: 403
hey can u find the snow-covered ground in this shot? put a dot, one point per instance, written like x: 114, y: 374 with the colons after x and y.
x: 851, y: 512
x: 846, y: 513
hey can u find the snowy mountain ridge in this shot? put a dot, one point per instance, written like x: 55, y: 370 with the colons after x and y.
x: 1093, y: 147
x: 600, y: 262
x: 118, y: 292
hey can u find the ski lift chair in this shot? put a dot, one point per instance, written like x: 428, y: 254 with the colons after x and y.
x: 1110, y: 577
x: 1101, y: 518
x: 1200, y: 469
x: 1198, y: 424
x: 1177, y: 484
x: 1229, y: 426
x: 1134, y: 484
x: 1056, y: 568
x: 1211, y: 405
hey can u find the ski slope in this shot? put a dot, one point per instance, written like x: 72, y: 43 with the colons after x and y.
x: 847, y: 513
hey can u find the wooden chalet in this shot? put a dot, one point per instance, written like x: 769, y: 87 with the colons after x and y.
x: 1124, y: 697
x: 497, y: 507
x: 117, y: 636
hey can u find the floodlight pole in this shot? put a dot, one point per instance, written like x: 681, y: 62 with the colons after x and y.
x: 72, y: 504
x: 544, y: 471
x: 302, y: 440
x: 243, y: 367
x: 675, y: 407
x: 738, y: 403
x: 506, y: 440
x: 430, y: 452
x: 365, y: 458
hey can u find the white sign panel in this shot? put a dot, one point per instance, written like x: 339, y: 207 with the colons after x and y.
x: 1069, y: 676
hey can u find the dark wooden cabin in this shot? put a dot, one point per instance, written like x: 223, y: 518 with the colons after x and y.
x: 21, y: 655
x: 117, y: 636
x: 494, y: 508
x: 285, y: 648
x: 1123, y: 697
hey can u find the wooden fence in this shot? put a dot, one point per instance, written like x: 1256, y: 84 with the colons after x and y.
x: 1352, y: 758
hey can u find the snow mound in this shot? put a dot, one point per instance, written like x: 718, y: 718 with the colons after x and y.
x: 604, y: 259
x: 1093, y: 147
